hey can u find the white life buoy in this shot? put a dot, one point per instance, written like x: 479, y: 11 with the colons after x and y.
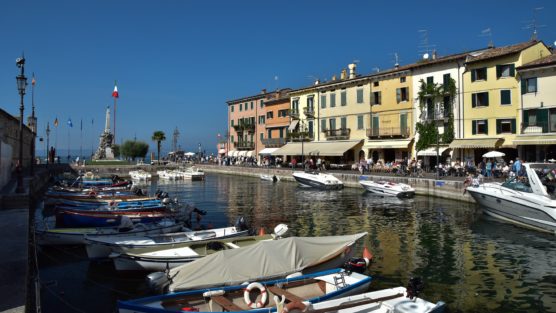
x: 247, y: 298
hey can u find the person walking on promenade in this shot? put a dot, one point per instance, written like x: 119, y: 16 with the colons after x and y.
x: 517, y: 167
x: 294, y: 163
x: 488, y: 168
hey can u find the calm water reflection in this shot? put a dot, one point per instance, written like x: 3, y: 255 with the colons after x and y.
x: 472, y: 263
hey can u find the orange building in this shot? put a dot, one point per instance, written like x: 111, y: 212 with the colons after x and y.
x: 275, y: 122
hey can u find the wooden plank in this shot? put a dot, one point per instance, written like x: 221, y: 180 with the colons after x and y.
x: 356, y: 303
x: 282, y: 292
x: 226, y: 304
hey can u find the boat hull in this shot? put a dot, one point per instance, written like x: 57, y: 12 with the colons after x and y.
x: 393, y: 192
x: 77, y: 218
x: 514, y: 207
x: 312, y: 182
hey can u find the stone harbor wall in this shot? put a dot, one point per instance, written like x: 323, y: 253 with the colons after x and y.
x: 9, y: 147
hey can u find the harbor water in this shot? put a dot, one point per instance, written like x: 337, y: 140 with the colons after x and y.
x: 471, y: 262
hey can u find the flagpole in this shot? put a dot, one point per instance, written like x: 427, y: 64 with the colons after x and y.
x: 69, y: 154
x: 92, y: 138
x: 115, y: 100
x: 81, y: 141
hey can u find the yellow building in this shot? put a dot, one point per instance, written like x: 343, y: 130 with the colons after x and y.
x: 491, y: 100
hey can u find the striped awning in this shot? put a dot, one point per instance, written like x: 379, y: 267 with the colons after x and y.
x: 471, y: 143
x: 267, y: 151
x: 387, y: 144
x: 317, y: 148
x: 535, y: 140
x: 431, y: 151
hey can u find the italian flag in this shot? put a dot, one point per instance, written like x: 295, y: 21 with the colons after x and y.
x: 115, y: 92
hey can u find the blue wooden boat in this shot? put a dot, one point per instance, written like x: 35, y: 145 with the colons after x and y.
x: 81, y: 218
x: 89, y: 205
x: 264, y: 296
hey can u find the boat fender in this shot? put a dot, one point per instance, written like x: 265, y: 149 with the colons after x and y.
x: 213, y: 293
x: 247, y: 295
x: 294, y: 306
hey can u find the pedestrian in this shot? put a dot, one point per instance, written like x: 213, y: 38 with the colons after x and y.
x: 294, y: 163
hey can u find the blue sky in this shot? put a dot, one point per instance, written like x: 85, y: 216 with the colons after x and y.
x: 177, y: 62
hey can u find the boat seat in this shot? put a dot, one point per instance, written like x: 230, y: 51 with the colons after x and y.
x: 226, y: 304
x: 282, y: 292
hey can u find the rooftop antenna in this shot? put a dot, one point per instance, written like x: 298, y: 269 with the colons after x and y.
x: 376, y: 69
x: 424, y: 46
x: 396, y: 60
x: 533, y: 24
x: 487, y: 32
x: 175, y: 137
x: 276, y: 82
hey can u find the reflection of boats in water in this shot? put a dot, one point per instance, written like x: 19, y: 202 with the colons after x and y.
x: 527, y: 201
x: 318, y: 180
x: 268, y: 177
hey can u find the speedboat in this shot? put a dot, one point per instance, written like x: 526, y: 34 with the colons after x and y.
x: 388, y: 188
x: 140, y: 175
x: 527, y: 201
x: 268, y: 177
x: 193, y: 173
x: 318, y: 180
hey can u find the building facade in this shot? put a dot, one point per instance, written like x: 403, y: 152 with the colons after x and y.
x: 9, y: 146
x: 275, y: 119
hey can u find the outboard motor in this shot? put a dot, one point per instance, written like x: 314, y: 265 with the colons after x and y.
x: 241, y: 224
x: 158, y: 282
x: 115, y: 178
x: 414, y: 287
x: 357, y: 265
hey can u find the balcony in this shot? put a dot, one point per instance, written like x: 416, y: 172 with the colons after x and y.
x: 300, y: 136
x: 309, y: 112
x: 273, y: 142
x: 241, y: 127
x: 244, y: 145
x: 388, y: 132
x: 337, y: 134
x: 294, y: 114
x: 538, y: 127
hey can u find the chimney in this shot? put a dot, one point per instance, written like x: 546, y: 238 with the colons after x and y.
x: 334, y: 77
x: 343, y: 75
x: 352, y: 67
x: 263, y: 91
x: 434, y: 54
x: 317, y: 82
x: 396, y: 66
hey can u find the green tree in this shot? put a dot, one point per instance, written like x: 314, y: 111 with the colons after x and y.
x: 116, y: 150
x: 159, y: 137
x: 134, y: 149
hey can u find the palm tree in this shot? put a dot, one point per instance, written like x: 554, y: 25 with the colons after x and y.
x: 159, y: 137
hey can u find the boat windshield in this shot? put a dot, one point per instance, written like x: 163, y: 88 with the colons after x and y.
x: 547, y: 175
x: 518, y: 184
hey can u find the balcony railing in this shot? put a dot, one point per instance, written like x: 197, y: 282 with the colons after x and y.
x: 538, y: 127
x: 309, y: 112
x: 294, y: 114
x: 244, y: 127
x: 388, y: 132
x: 337, y: 134
x: 244, y: 145
x: 273, y: 142
x: 300, y: 136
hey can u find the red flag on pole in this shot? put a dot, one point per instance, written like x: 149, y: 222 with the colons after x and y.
x: 115, y: 92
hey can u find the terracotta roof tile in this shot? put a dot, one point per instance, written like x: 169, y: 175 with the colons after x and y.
x: 548, y: 60
x: 501, y: 51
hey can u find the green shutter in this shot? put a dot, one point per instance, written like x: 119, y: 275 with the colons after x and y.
x: 514, y: 131
x: 473, y: 100
x: 542, y: 119
x: 486, y: 73
x: 486, y: 127
x: 498, y: 126
x: 523, y: 86
x: 488, y: 98
x: 473, y: 75
x: 379, y: 98
x: 474, y: 127
x: 398, y: 95
x: 512, y: 70
x: 498, y: 71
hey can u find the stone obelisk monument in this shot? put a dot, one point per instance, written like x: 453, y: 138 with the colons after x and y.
x: 104, y: 151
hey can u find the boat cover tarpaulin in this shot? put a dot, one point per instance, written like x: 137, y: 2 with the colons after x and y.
x: 266, y: 259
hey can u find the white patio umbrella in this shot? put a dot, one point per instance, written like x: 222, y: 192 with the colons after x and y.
x: 494, y: 154
x: 189, y: 153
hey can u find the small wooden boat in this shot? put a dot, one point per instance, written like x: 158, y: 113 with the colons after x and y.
x: 103, y: 247
x: 95, y: 205
x: 396, y: 300
x: 81, y: 218
x: 388, y: 188
x: 254, y: 296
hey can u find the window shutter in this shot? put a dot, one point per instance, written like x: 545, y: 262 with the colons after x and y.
x: 512, y: 70
x: 486, y: 127
x: 498, y: 126
x: 398, y: 95
x: 523, y: 86
x: 474, y: 127
x: 473, y: 75
x: 473, y: 100
x: 373, y: 98
x: 487, y: 98
x: 486, y: 73
x: 498, y: 71
x: 379, y: 98
x: 514, y: 131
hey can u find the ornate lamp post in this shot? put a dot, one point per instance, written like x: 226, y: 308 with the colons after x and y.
x: 33, y: 125
x: 21, y: 85
x: 48, y: 143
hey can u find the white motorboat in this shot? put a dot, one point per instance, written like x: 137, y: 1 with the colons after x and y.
x: 318, y: 180
x: 140, y: 175
x: 528, y: 201
x: 268, y: 177
x: 193, y: 173
x: 388, y: 188
x: 169, y: 175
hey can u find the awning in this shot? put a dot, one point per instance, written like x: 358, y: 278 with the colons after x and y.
x: 535, y: 140
x: 249, y: 153
x: 221, y: 151
x: 293, y: 125
x: 231, y: 152
x: 242, y: 153
x: 476, y: 143
x: 267, y: 151
x: 387, y: 144
x: 432, y: 151
x: 277, y: 125
x: 235, y: 154
x: 317, y: 148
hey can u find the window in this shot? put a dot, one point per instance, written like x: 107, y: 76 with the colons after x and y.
x: 269, y: 132
x: 232, y: 123
x: 282, y: 113
x: 479, y: 99
x: 332, y: 99
x: 343, y: 98
x: 505, y: 70
x: 232, y: 108
x: 446, y: 79
x: 323, y: 125
x: 447, y: 106
x: 402, y: 79
x: 261, y: 136
x: 232, y: 138
x: 261, y: 119
x: 310, y: 127
x: 376, y: 98
x: 528, y: 85
x: 240, y: 107
x: 310, y: 101
x: 295, y: 105
x: 262, y: 104
x: 360, y: 95
x: 480, y: 127
x: 505, y: 97
x: 251, y: 105
x: 343, y: 123
x: 402, y: 94
x: 505, y: 126
x: 375, y: 84
x: 360, y: 122
x: 323, y: 101
x: 332, y: 123
x: 430, y: 80
x: 479, y: 74
x: 281, y: 132
x: 269, y: 115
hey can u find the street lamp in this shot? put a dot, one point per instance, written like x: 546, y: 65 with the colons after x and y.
x: 21, y: 85
x: 48, y: 143
x: 33, y: 125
